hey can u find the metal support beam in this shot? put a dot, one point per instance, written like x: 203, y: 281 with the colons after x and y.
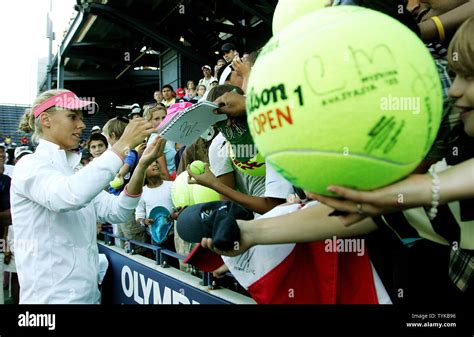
x: 132, y: 24
x: 254, y: 12
x: 90, y: 75
x: 237, y: 30
x: 60, y: 71
x: 75, y: 27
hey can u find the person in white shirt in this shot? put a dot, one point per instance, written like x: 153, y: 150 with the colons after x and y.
x: 55, y: 210
x: 208, y: 78
x: 157, y: 192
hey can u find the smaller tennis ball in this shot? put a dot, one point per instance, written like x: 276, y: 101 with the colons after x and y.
x: 197, y: 167
x: 116, y: 183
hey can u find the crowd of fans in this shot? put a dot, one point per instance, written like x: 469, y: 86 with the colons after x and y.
x: 429, y: 267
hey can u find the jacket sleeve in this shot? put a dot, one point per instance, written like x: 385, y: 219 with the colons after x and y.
x: 52, y: 189
x: 115, y: 209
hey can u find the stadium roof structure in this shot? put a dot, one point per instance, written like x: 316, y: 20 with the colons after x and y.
x: 116, y: 50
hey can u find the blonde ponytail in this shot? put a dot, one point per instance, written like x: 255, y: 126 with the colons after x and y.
x: 29, y: 123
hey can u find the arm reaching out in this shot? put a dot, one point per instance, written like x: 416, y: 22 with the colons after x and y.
x: 450, y: 20
x: 256, y: 204
x: 456, y: 183
x: 307, y: 225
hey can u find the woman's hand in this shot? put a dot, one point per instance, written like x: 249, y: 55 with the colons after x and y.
x: 152, y: 152
x: 134, y: 134
x: 207, y: 179
x: 410, y: 192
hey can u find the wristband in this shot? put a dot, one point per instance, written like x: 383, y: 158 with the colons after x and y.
x: 125, y: 190
x: 439, y: 27
x: 435, y: 193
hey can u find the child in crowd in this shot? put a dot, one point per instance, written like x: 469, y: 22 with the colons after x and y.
x: 97, y: 144
x: 113, y: 130
x: 190, y: 91
x: 201, y: 90
x: 156, y: 192
x: 155, y: 114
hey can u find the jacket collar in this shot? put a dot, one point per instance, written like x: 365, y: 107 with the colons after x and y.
x: 62, y: 157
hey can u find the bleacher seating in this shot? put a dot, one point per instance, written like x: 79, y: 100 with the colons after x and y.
x: 10, y: 116
x: 9, y: 120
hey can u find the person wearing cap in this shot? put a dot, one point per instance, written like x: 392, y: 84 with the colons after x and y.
x: 208, y: 78
x: 57, y: 208
x: 229, y: 52
x: 96, y: 129
x: 135, y: 112
x: 20, y: 151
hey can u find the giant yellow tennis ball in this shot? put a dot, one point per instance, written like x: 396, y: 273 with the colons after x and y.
x: 356, y: 100
x: 197, y: 167
x: 287, y: 11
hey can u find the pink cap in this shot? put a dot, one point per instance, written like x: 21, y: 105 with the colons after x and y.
x: 67, y: 100
x: 173, y: 110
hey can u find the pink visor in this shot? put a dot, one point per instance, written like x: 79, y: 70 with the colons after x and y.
x: 173, y: 110
x: 67, y: 100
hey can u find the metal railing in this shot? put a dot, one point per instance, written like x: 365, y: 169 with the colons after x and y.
x: 162, y: 258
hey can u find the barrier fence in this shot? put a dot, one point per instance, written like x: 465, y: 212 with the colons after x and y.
x: 132, y: 278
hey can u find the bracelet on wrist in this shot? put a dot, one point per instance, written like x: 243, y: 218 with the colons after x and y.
x: 440, y: 28
x: 435, y: 188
